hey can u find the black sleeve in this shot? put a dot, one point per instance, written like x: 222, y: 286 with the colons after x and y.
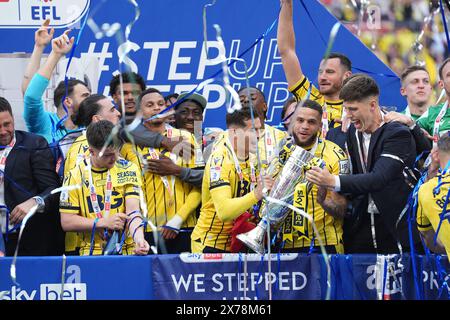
x: 143, y: 137
x: 422, y: 142
x: 192, y: 176
x: 385, y: 169
x: 43, y: 170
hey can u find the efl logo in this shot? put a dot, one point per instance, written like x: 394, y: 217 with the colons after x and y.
x: 72, y: 291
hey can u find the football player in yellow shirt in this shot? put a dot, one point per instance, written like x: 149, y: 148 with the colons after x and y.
x: 271, y: 139
x: 108, y: 199
x: 93, y: 109
x: 332, y: 71
x: 171, y: 202
x: 231, y: 185
x: 433, y: 202
x: 327, y: 208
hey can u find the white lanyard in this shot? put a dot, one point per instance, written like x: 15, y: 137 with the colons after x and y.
x: 269, y: 145
x: 4, y: 156
x: 371, y: 204
x: 169, y: 186
x: 199, y: 161
x: 437, y: 123
x: 239, y: 170
x: 325, y: 125
x: 360, y: 151
x: 314, y: 147
x: 93, y: 194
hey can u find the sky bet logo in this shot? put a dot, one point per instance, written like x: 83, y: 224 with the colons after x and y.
x: 49, y: 291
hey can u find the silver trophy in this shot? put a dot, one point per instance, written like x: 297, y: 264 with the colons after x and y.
x: 274, y: 214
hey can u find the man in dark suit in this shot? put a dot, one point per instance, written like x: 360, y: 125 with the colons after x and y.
x: 379, y: 152
x: 27, y: 177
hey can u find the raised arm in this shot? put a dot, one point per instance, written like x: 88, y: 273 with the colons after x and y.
x: 42, y: 38
x: 286, y: 44
x: 60, y: 47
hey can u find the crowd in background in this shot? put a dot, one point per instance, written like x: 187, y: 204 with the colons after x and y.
x: 395, y: 39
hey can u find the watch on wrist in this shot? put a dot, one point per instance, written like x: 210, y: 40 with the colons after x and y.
x: 40, y: 202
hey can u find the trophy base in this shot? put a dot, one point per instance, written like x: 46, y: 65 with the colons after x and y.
x: 252, y: 242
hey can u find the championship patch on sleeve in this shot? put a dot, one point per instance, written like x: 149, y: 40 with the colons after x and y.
x: 215, y: 173
x: 64, y: 197
x: 344, y: 167
x: 216, y: 161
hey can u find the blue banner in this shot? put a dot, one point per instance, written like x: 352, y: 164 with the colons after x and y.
x: 227, y: 277
x: 222, y: 277
x: 86, y: 278
x: 168, y: 49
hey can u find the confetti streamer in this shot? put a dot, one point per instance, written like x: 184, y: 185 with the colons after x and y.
x: 362, y: 10
x: 205, y: 32
x: 417, y: 45
x: 30, y: 214
x: 63, y: 275
x: 226, y: 79
x: 261, y: 37
x: 13, y: 273
x: 319, y: 238
x: 331, y: 39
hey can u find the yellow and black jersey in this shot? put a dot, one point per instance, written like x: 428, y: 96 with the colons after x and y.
x: 297, y: 230
x: 334, y: 108
x: 126, y: 183
x: 430, y: 207
x: 222, y: 190
x: 78, y: 151
x: 270, y: 141
x: 166, y: 196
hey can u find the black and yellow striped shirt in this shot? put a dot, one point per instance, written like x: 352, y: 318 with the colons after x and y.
x: 126, y: 182
x: 430, y: 208
x: 221, y: 175
x: 163, y: 203
x: 334, y: 108
x: 298, y: 231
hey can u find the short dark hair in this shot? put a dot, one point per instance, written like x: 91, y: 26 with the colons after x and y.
x: 60, y: 90
x: 257, y: 89
x: 311, y: 104
x: 410, y: 70
x: 238, y: 117
x: 358, y: 87
x: 5, y: 106
x: 127, y: 77
x: 88, y: 108
x: 344, y: 60
x: 146, y: 92
x: 97, y: 135
x: 170, y: 96
x: 443, y: 143
x: 441, y: 68
x: 286, y: 105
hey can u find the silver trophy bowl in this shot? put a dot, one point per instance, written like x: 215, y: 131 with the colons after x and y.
x: 273, y: 214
